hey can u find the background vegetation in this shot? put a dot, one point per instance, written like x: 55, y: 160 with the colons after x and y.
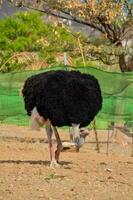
x: 26, y: 40
x: 113, y: 19
x: 29, y: 41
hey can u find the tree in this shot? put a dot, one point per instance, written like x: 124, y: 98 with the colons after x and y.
x: 26, y: 41
x: 113, y: 18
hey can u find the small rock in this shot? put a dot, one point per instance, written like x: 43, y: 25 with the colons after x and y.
x: 72, y: 189
x: 110, y: 177
x: 86, y: 172
x: 42, y: 196
x: 19, y: 178
x: 108, y: 170
x: 103, y: 163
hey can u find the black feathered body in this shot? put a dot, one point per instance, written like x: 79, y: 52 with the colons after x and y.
x: 64, y: 97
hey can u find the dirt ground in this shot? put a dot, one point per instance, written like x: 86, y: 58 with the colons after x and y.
x: 25, y: 173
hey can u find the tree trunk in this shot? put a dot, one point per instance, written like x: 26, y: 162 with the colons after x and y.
x: 130, y: 65
x: 122, y: 63
x: 124, y: 66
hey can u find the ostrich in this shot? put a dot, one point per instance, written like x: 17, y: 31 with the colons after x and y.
x: 62, y: 98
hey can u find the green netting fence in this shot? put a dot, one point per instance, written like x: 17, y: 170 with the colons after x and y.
x: 117, y: 91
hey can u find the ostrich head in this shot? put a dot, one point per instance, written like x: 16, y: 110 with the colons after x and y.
x: 79, y: 135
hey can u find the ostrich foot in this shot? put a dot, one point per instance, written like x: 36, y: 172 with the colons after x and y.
x: 54, y: 164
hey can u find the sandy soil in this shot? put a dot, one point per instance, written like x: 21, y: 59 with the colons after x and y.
x: 25, y: 173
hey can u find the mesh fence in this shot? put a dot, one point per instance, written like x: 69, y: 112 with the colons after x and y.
x: 117, y: 91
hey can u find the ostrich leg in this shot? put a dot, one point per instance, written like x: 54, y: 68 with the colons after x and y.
x: 59, y: 144
x: 51, y: 148
x: 71, y: 134
x: 76, y: 132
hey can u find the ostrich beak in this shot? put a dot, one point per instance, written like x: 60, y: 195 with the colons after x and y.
x: 84, y: 132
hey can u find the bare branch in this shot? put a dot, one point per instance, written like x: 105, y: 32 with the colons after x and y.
x: 59, y: 13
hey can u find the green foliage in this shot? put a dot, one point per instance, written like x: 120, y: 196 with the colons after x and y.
x: 27, y: 32
x: 18, y: 29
